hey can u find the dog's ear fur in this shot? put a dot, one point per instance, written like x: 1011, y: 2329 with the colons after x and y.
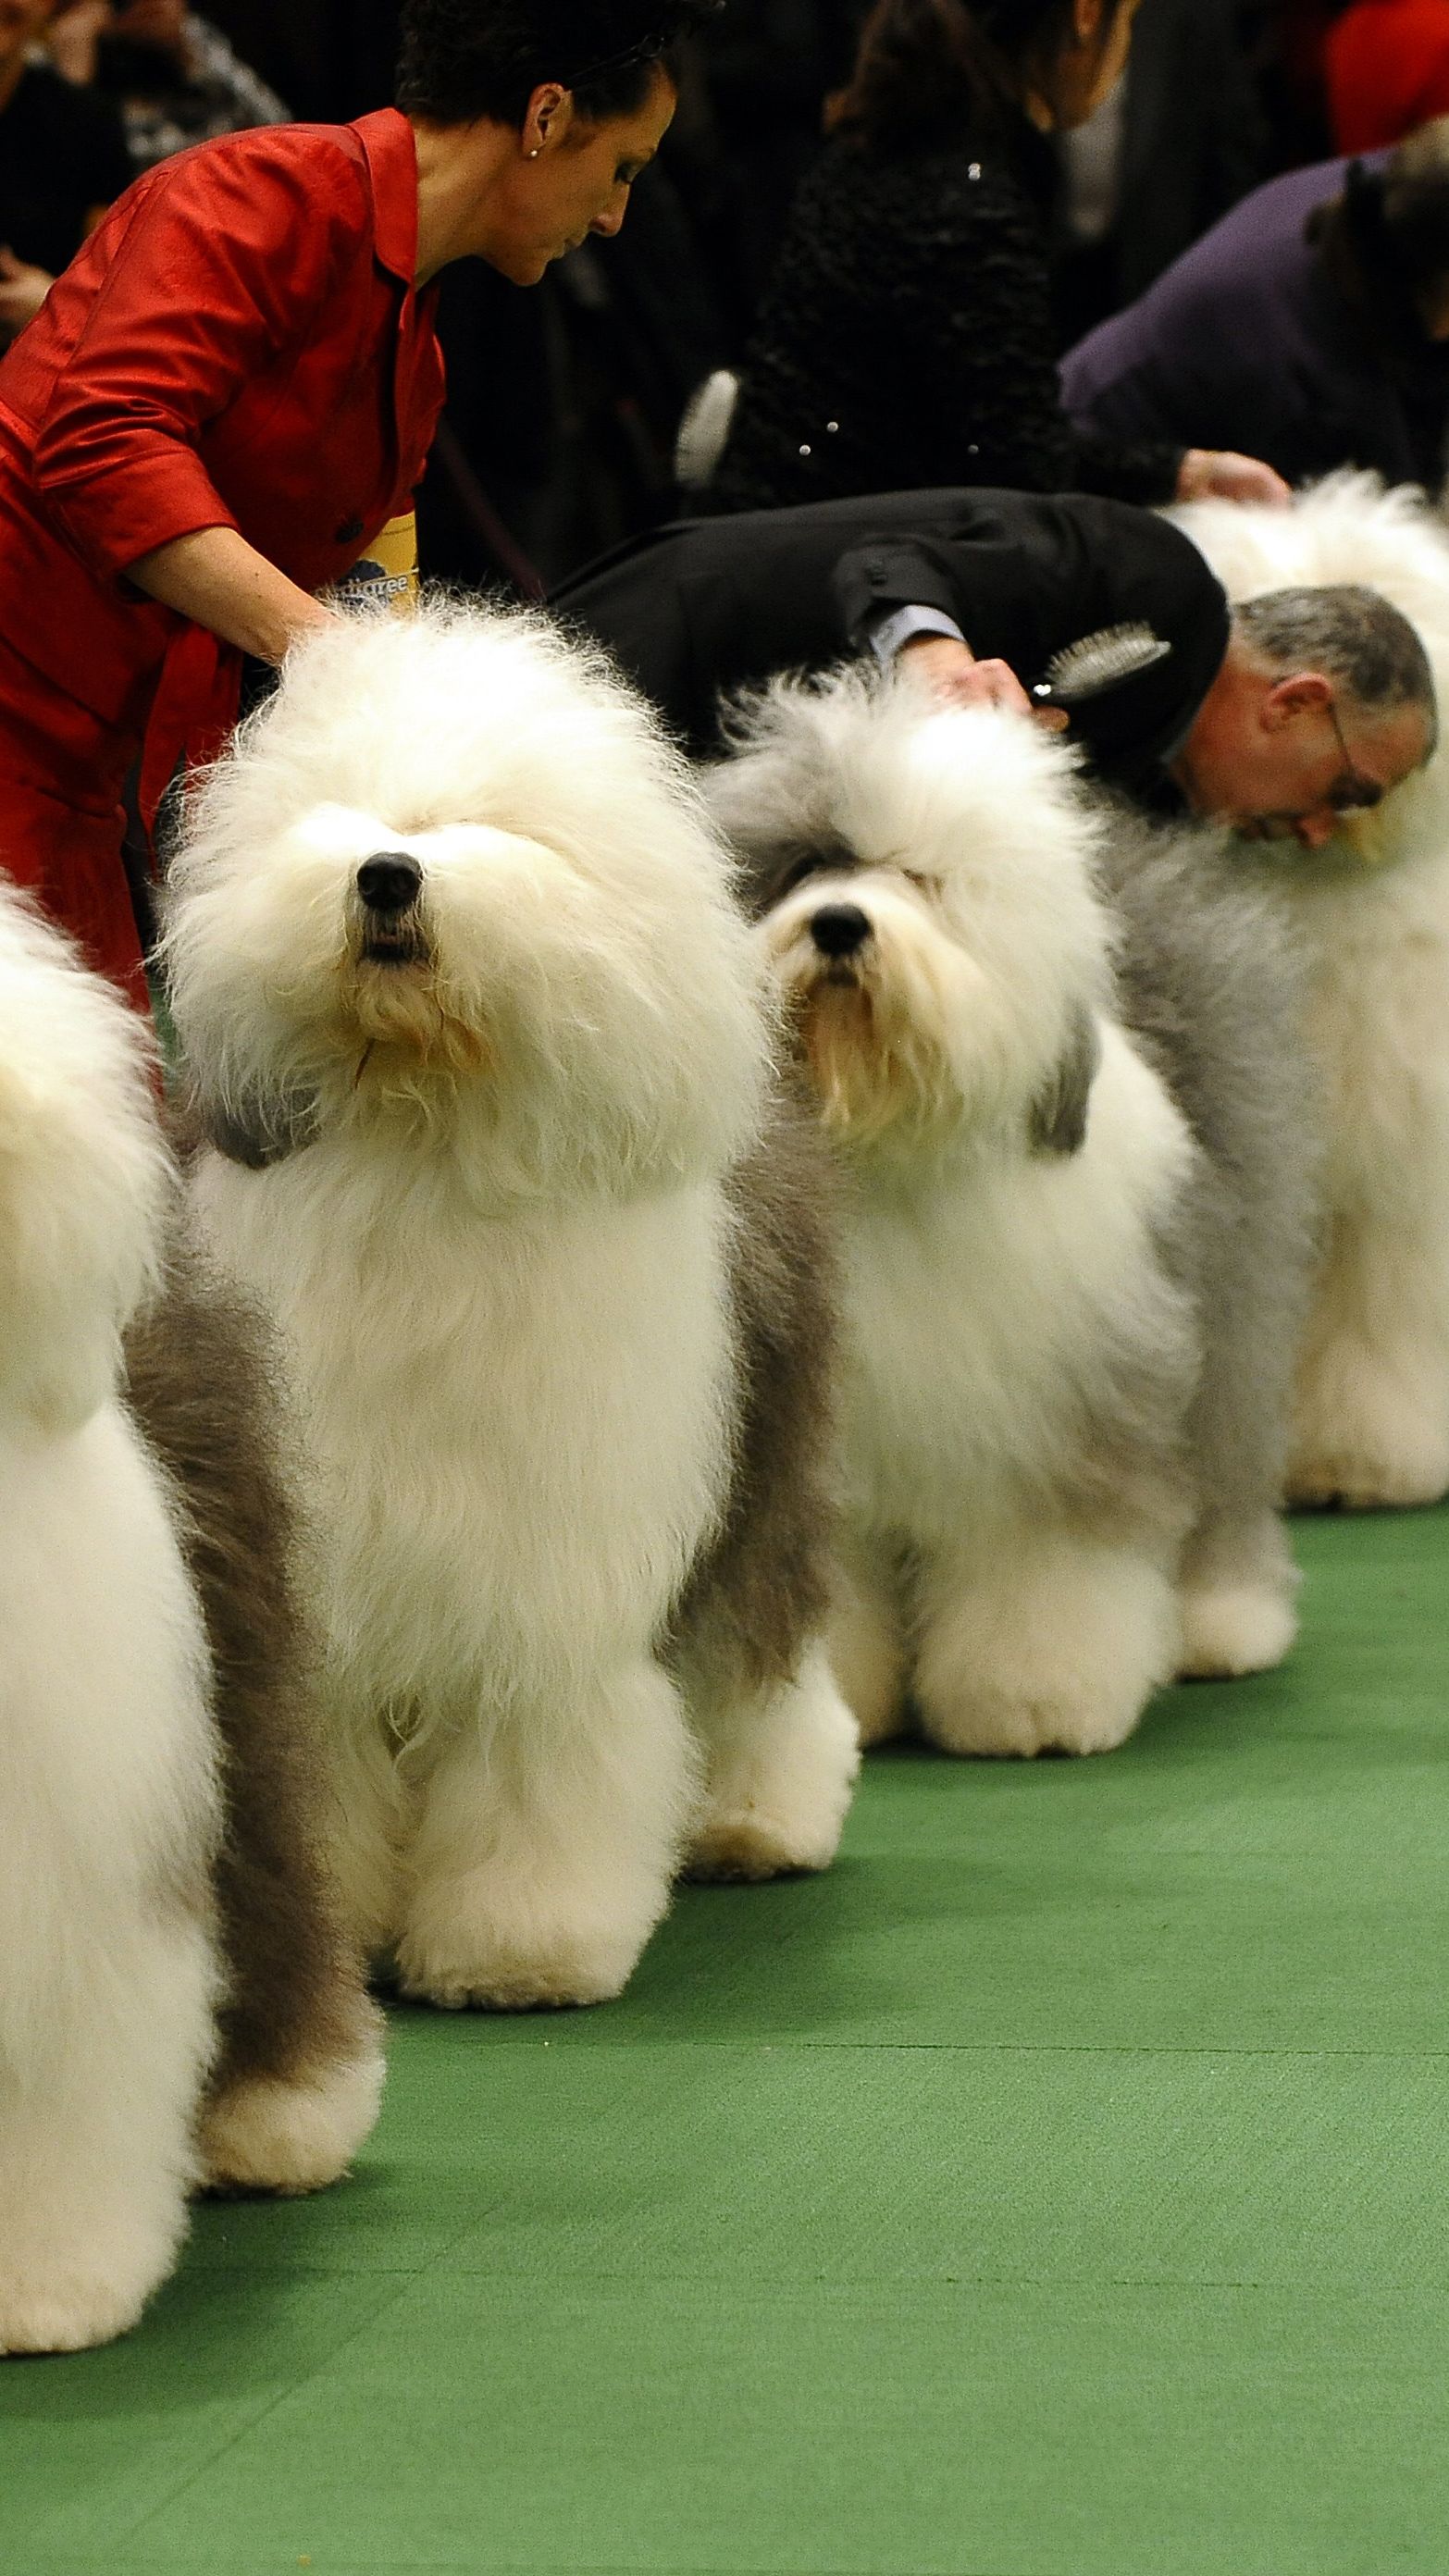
x: 258, y: 1129
x: 1058, y: 1120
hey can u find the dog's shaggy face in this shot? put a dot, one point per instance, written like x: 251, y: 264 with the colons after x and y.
x: 929, y: 915
x: 454, y: 876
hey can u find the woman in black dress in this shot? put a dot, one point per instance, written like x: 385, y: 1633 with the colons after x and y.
x: 906, y: 337
x: 62, y: 161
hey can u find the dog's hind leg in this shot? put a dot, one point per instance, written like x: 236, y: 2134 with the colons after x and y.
x: 1371, y: 1419
x: 869, y: 1653
x: 782, y: 1763
x: 300, y: 2077
x: 1237, y: 1598
x: 1055, y: 1646
x: 547, y: 1846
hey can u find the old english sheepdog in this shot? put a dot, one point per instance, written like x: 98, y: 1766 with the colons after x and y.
x: 1372, y: 1406
x: 1075, y: 1246
x: 177, y: 2002
x: 485, y: 1055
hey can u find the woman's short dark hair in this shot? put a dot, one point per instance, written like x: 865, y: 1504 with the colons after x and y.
x: 464, y: 59
x: 925, y: 69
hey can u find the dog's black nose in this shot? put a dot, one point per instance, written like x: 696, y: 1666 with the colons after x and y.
x: 838, y: 929
x: 390, y: 882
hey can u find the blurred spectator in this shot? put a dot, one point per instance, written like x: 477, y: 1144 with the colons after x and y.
x: 563, y: 402
x: 1283, y: 41
x: 906, y: 339
x: 1311, y: 325
x: 1178, y: 141
x: 62, y: 161
x: 765, y: 68
x: 327, y: 58
x: 1387, y: 67
x: 173, y: 74
x: 292, y: 45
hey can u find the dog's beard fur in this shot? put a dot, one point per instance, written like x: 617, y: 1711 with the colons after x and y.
x: 885, y: 1034
x: 416, y: 1029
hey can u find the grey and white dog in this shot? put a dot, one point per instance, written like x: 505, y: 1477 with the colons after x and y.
x: 1056, y: 1051
x: 179, y: 2002
x: 486, y: 1062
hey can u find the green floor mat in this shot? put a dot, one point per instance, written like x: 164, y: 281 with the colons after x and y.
x: 1059, y: 2188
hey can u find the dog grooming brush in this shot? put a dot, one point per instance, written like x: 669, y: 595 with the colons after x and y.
x: 1096, y: 663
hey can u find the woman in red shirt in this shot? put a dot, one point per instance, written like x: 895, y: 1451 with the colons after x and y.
x: 231, y: 393
x: 1386, y: 63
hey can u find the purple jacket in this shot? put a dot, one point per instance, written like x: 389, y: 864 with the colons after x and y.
x: 1245, y: 342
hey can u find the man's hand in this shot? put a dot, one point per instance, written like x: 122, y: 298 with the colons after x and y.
x: 952, y: 674
x: 23, y: 290
x: 1219, y: 473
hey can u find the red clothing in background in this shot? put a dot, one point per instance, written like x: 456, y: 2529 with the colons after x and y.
x: 238, y: 345
x: 1387, y: 67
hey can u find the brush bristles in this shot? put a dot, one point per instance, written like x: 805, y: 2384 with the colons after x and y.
x: 1100, y: 661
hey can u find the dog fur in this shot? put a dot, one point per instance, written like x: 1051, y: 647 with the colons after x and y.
x: 158, y: 1812
x: 1372, y: 910
x: 508, y: 1178
x: 1074, y: 1246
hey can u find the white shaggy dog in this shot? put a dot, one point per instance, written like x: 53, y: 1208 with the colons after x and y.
x: 175, y: 2005
x: 1372, y: 1415
x: 1060, y: 1487
x: 486, y: 1052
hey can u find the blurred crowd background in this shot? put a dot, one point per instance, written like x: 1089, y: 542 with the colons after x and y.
x: 566, y: 401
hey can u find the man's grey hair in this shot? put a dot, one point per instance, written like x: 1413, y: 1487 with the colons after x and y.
x: 1354, y: 636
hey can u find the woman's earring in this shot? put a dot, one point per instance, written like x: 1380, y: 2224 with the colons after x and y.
x: 533, y: 155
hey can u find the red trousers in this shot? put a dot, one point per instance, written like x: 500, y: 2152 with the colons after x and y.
x: 62, y: 776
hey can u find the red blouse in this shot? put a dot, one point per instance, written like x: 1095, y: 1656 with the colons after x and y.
x: 238, y: 345
x: 1387, y: 68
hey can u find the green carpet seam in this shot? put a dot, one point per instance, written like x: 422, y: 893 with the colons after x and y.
x: 239, y: 2432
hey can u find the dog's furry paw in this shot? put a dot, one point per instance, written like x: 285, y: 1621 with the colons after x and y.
x: 780, y: 1786
x: 1362, y: 1481
x: 1060, y: 1653
x: 751, y: 1847
x: 1230, y: 1629
x: 463, y: 1958
x: 993, y: 1725
x: 293, y: 2137
x: 568, y: 1979
x: 69, y: 2314
x: 1362, y: 1442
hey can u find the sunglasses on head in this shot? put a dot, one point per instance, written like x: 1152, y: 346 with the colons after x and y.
x: 649, y: 49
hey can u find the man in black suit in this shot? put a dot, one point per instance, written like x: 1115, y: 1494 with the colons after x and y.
x: 1279, y: 723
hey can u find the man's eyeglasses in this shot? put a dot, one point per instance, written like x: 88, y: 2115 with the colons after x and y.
x: 1353, y: 793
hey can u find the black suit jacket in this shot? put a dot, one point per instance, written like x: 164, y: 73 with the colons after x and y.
x: 711, y: 605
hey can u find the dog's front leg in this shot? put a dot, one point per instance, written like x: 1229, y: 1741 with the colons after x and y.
x: 96, y: 2114
x: 548, y: 1842
x: 1046, y: 1641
